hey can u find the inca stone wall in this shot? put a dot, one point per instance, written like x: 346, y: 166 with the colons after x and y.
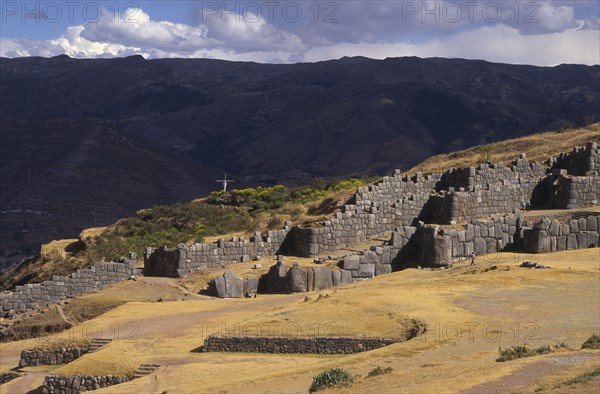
x: 295, y: 279
x: 8, y: 376
x: 454, y: 197
x: 558, y: 234
x: 577, y: 191
x: 37, y: 357
x: 60, y: 287
x: 580, y: 161
x: 184, y: 259
x: 78, y: 383
x: 315, y: 345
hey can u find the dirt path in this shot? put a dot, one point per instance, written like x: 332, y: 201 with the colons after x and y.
x: 159, y: 325
x: 25, y: 383
x: 173, y: 283
x: 62, y: 315
x: 530, y: 373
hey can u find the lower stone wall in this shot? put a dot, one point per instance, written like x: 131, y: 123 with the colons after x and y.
x: 8, y: 376
x: 77, y: 383
x: 37, y: 357
x: 60, y: 287
x: 316, y: 345
x: 558, y: 234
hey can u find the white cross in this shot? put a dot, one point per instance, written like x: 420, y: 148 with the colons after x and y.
x: 224, y: 181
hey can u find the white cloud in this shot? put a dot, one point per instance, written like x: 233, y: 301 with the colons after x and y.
x: 498, y: 43
x: 559, y: 39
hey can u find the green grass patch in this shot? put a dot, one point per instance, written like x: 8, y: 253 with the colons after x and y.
x: 580, y: 378
x: 379, y: 371
x: 521, y: 351
x: 336, y: 377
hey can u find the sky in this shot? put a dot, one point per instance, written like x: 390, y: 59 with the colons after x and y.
x: 538, y: 32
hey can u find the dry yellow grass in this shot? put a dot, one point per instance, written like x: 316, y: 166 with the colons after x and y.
x: 57, y: 247
x: 537, y: 147
x: 469, y: 312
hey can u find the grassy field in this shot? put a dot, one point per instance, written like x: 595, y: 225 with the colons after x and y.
x: 470, y: 312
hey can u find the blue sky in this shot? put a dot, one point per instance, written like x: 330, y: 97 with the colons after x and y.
x: 541, y: 32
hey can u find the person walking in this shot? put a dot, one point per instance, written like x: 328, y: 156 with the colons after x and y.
x: 473, y: 258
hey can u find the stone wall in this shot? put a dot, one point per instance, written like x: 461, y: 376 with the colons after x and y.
x: 77, y: 383
x: 579, y: 162
x: 455, y: 196
x: 60, y: 287
x: 315, y: 345
x: 558, y: 234
x: 184, y: 259
x: 36, y: 357
x: 283, y: 279
x: 8, y: 376
x: 577, y: 191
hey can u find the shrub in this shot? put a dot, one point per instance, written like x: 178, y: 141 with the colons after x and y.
x: 485, y: 154
x: 511, y: 353
x: 336, y: 377
x: 520, y: 351
x: 543, y: 349
x: 592, y: 342
x: 379, y: 371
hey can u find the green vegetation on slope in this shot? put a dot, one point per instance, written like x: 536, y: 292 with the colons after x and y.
x: 236, y: 211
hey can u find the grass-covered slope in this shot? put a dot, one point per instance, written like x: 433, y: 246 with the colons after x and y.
x: 239, y: 212
x: 537, y: 147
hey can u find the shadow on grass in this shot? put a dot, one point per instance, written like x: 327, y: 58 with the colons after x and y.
x: 199, y: 349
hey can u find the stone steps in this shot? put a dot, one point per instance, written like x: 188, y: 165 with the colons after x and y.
x: 98, y: 343
x: 145, y: 370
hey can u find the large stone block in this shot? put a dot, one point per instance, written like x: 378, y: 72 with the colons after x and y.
x: 366, y: 270
x: 296, y: 280
x: 351, y: 262
x: 572, y: 242
x: 322, y: 278
x: 574, y: 226
x: 336, y: 277
x: 251, y: 285
x: 346, y: 277
x: 479, y: 246
x: 592, y: 224
x: 554, y: 228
